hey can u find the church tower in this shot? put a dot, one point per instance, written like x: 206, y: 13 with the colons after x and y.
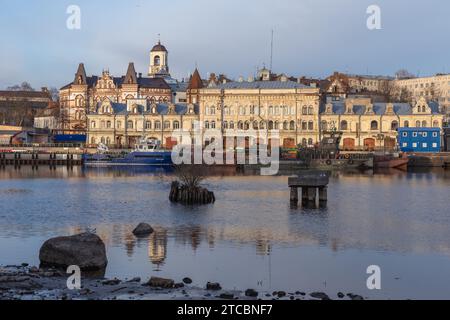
x: 159, y: 66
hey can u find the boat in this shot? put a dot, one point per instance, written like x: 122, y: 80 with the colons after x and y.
x: 395, y: 160
x: 146, y: 153
x: 328, y: 156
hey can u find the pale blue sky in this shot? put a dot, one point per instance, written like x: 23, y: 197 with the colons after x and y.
x: 312, y: 37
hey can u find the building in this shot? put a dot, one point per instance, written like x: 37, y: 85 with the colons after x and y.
x: 419, y: 139
x: 434, y: 88
x: 84, y: 94
x: 48, y: 118
x: 366, y: 125
x: 341, y: 84
x: 18, y: 108
x: 159, y: 62
x: 288, y: 106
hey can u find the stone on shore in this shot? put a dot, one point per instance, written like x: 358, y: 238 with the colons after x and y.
x: 187, y: 280
x: 251, y: 293
x: 213, y: 286
x: 85, y: 250
x: 320, y: 295
x: 161, y: 283
x: 142, y: 230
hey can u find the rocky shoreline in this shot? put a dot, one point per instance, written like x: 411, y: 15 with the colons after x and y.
x: 33, y: 283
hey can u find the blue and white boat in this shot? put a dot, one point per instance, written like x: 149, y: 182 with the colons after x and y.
x: 146, y: 153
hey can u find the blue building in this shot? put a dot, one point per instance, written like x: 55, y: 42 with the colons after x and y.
x: 419, y: 139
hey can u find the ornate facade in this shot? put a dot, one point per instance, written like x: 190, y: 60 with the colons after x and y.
x: 368, y: 125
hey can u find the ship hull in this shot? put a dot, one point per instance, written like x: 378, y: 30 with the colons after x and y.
x: 163, y: 158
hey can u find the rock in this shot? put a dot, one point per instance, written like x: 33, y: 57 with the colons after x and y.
x: 187, y: 280
x: 179, y: 285
x: 143, y: 229
x: 111, y: 282
x: 281, y: 294
x: 341, y: 295
x: 354, y: 297
x: 227, y: 296
x: 34, y: 270
x: 213, y: 286
x: 320, y: 295
x: 251, y: 293
x: 85, y: 250
x: 137, y: 279
x: 25, y: 264
x: 161, y: 283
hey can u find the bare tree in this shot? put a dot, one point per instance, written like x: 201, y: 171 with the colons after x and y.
x: 25, y: 86
x: 404, y: 74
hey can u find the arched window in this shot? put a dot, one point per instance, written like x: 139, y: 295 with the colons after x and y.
x: 240, y: 125
x: 424, y: 109
x: 262, y: 125
x: 93, y: 124
x: 304, y: 142
x: 213, y: 124
x: 324, y: 125
x: 292, y: 125
x: 374, y: 125
x: 277, y: 125
x: 310, y: 110
x: 157, y: 60
x: 417, y: 124
x: 231, y: 125
x: 108, y: 140
x: 406, y: 124
x: 418, y: 109
x: 255, y: 125
x: 212, y: 110
x: 436, y: 124
x: 176, y: 125
x: 93, y: 140
x: 102, y: 140
x: 206, y: 124
x: 225, y: 125
x: 247, y: 125
x: 130, y: 124
x: 304, y: 125
x: 310, y: 125
x: 310, y: 142
x: 424, y: 124
x: 305, y: 110
x: 285, y: 125
x: 270, y: 125
x: 148, y: 125
x: 158, y: 125
x: 166, y: 125
x: 394, y: 125
x: 108, y: 124
x: 344, y: 125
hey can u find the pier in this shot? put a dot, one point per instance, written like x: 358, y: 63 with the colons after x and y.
x: 314, y: 188
x: 36, y: 159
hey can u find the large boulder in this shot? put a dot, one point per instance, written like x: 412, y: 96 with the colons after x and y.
x: 142, y: 230
x: 85, y: 250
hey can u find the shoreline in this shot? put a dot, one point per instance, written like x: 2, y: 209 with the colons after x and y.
x: 32, y: 283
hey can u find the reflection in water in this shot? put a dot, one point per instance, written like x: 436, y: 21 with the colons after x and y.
x: 250, y: 237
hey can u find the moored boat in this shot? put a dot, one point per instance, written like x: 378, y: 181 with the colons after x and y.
x: 391, y: 161
x: 146, y: 153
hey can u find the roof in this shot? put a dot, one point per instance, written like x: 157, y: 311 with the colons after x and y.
x: 155, y: 83
x: 261, y: 85
x: 339, y: 108
x: 419, y: 129
x: 25, y: 94
x: 196, y: 81
x: 159, y: 47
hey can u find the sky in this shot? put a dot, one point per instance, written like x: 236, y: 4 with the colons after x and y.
x: 312, y: 38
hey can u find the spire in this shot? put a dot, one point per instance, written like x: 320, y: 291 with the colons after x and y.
x: 80, y: 76
x: 130, y: 77
x: 196, y: 81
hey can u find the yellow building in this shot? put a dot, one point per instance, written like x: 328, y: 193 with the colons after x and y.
x: 366, y: 125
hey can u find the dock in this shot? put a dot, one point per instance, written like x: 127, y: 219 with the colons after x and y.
x: 36, y: 159
x: 314, y: 188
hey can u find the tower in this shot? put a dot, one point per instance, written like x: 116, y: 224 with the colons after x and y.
x: 159, y: 66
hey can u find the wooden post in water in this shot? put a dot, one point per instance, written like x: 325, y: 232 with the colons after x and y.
x: 294, y: 196
x: 323, y: 196
x: 314, y: 187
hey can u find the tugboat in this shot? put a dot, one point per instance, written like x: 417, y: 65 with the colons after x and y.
x: 328, y: 156
x: 397, y: 161
x: 146, y: 153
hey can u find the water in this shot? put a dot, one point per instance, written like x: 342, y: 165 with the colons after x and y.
x: 250, y: 238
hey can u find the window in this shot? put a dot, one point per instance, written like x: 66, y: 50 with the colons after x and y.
x: 119, y: 124
x: 435, y: 145
x: 404, y: 144
x: 292, y: 125
x: 166, y: 124
x: 176, y: 125
x: 414, y: 134
x: 374, y: 125
x: 344, y: 125
x: 406, y: 124
x: 93, y: 124
x: 424, y: 145
x: 435, y: 134
x: 414, y: 145
x: 148, y: 125
x: 213, y: 124
x: 157, y: 61
x: 158, y: 125
x: 405, y: 134
x: 424, y: 134
x: 305, y: 110
x: 304, y: 125
x: 206, y: 124
x: 130, y: 124
x: 311, y: 125
x: 424, y: 124
x: 108, y: 124
x: 417, y: 124
x: 394, y: 125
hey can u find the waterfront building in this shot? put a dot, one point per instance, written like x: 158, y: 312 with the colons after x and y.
x: 419, y: 139
x: 367, y: 125
x: 84, y: 93
x: 48, y: 118
x: 263, y: 104
x: 18, y: 108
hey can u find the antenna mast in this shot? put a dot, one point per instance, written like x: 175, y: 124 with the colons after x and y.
x: 271, y: 52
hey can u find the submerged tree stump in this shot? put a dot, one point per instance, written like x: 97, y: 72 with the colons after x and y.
x: 190, y: 195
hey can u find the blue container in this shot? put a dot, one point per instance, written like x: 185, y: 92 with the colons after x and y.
x: 69, y: 138
x: 419, y: 139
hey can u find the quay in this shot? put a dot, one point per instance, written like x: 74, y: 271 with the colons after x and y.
x: 36, y: 159
x: 314, y: 188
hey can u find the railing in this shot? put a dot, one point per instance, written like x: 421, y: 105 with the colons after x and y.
x: 43, y: 145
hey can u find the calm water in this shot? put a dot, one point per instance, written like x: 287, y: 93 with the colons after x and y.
x: 250, y: 237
